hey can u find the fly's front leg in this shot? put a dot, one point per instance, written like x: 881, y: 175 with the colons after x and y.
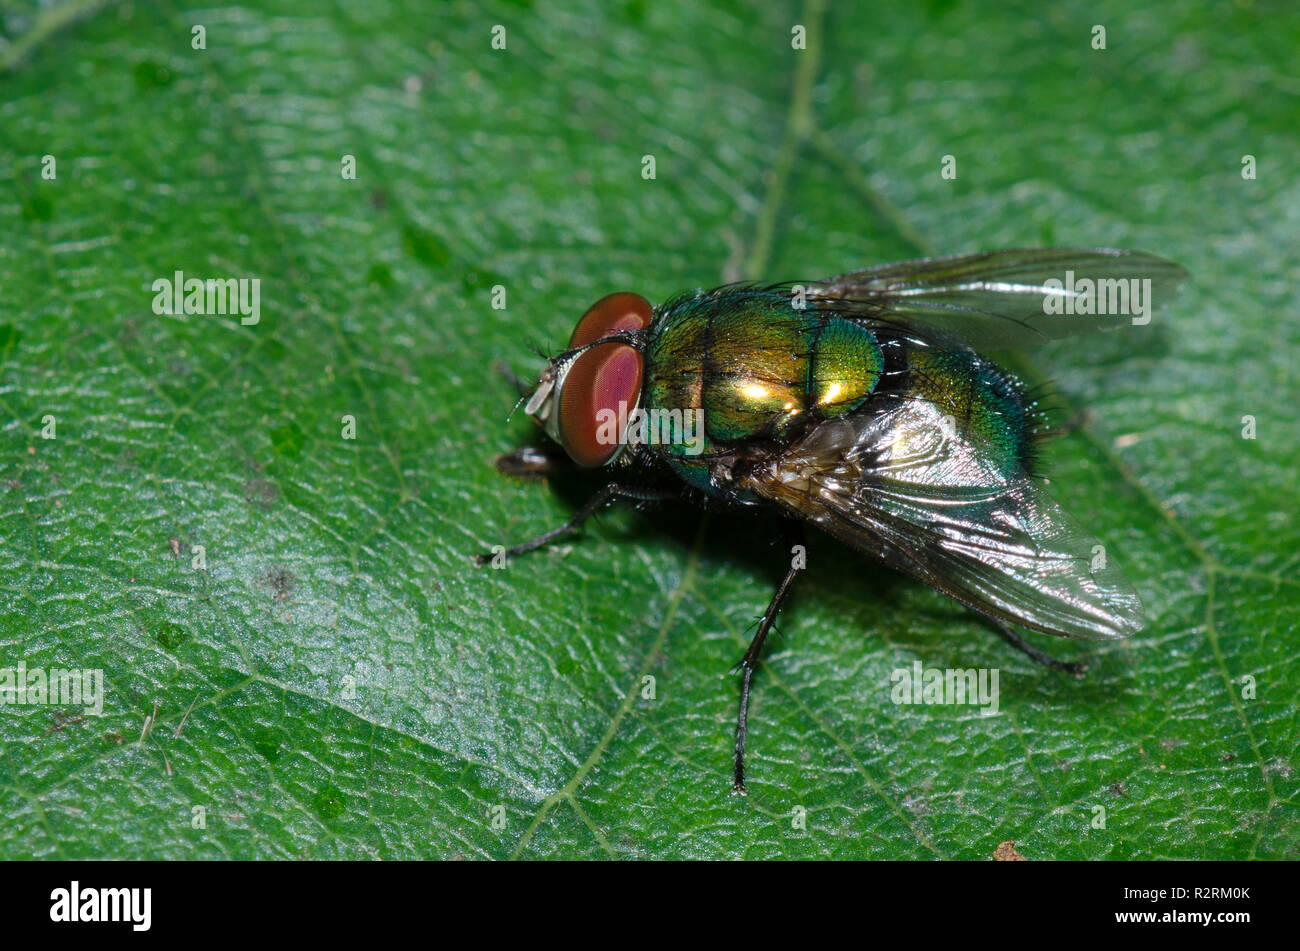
x: 749, y: 663
x: 609, y: 493
x: 535, y: 462
x: 520, y: 385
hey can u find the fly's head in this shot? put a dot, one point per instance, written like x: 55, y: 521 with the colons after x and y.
x: 585, y: 396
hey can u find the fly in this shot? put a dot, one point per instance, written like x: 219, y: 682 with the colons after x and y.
x: 862, y: 405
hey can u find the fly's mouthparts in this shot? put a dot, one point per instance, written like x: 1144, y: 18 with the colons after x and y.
x: 538, y: 399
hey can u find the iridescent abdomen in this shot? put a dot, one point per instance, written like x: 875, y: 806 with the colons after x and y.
x: 983, y: 401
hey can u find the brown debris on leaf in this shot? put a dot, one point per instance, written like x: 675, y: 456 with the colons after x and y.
x: 1006, y: 852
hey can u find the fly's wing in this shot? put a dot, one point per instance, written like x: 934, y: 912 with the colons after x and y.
x: 904, y: 487
x: 1009, y: 299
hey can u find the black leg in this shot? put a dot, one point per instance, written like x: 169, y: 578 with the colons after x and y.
x: 1018, y: 641
x: 749, y: 663
x: 521, y: 386
x: 535, y: 462
x: 610, y: 492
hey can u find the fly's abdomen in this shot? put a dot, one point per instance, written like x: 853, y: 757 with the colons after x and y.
x: 757, y: 367
x: 981, y: 399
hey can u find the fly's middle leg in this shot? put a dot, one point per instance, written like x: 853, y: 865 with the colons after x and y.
x: 794, y: 536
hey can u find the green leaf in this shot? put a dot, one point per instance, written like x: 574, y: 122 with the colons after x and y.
x: 299, y: 658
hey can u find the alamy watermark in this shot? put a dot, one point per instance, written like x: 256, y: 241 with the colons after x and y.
x: 23, y: 686
x: 78, y: 904
x: 948, y: 686
x: 1085, y: 296
x: 179, y: 295
x: 651, y: 427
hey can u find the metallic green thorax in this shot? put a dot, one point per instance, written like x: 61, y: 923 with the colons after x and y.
x: 757, y: 367
x: 763, y: 371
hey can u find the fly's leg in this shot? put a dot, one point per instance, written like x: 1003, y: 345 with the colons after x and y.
x: 1017, y: 641
x: 609, y: 493
x: 520, y: 385
x: 535, y: 462
x: 749, y: 663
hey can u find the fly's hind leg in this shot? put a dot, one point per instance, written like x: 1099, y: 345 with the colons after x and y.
x: 1043, y: 658
x: 749, y: 663
x: 609, y: 493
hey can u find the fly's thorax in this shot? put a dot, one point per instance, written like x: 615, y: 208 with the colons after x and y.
x: 756, y: 366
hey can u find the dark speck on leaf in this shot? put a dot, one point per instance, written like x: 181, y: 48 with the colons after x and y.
x: 261, y: 493
x: 281, y: 582
x: 60, y: 720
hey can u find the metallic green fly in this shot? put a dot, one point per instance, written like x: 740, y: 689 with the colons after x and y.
x: 858, y: 404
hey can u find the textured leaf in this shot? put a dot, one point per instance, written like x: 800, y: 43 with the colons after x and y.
x: 338, y: 680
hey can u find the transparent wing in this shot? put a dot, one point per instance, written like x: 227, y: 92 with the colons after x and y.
x: 901, y: 486
x: 1009, y: 299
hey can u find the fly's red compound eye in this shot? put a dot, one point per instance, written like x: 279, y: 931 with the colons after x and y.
x: 610, y: 314
x: 602, y: 388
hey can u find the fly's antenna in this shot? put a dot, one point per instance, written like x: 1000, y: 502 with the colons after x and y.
x: 538, y: 349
